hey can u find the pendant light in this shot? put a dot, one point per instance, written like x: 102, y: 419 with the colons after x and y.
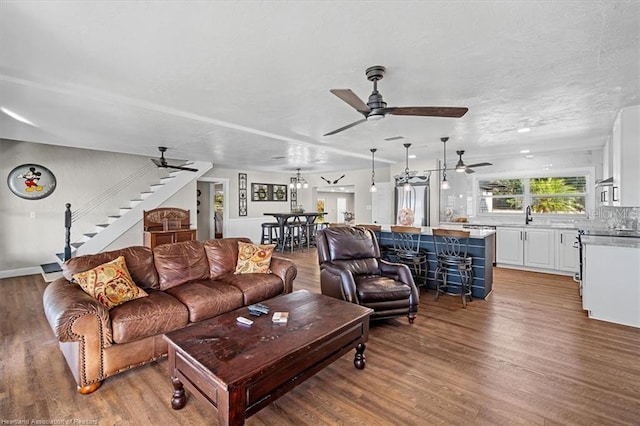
x: 373, y: 171
x: 407, y: 185
x: 445, y: 183
x: 299, y: 182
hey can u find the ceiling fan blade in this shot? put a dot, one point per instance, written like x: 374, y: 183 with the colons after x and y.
x: 469, y: 171
x: 452, y: 112
x: 157, y: 162
x: 352, y: 99
x: 480, y: 165
x: 188, y: 169
x: 348, y: 126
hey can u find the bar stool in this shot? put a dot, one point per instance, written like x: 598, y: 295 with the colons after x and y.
x: 406, y: 249
x: 309, y: 233
x: 451, y: 254
x: 269, y: 233
x: 293, y: 230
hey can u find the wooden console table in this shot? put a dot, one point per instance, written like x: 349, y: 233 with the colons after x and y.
x: 166, y: 225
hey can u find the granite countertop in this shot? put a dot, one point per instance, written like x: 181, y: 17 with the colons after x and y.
x: 459, y: 225
x: 427, y: 230
x: 613, y: 241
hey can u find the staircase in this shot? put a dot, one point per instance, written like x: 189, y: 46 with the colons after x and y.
x: 116, y: 225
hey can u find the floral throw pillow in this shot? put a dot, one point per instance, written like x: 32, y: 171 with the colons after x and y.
x: 110, y: 283
x: 254, y: 258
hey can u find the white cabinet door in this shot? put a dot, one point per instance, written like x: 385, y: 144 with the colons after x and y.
x: 539, y: 248
x: 625, y: 158
x: 613, y: 290
x: 509, y: 246
x: 566, y: 254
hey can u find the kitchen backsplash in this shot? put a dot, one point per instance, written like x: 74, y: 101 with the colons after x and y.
x: 610, y: 217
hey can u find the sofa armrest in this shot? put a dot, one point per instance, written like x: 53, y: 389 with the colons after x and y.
x: 286, y: 270
x: 75, y: 316
x: 338, y: 282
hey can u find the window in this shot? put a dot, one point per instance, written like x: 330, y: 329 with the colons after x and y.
x: 556, y: 195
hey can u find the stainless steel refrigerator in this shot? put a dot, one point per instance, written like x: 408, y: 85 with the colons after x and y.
x: 415, y: 199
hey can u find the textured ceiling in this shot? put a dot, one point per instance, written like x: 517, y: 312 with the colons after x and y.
x: 245, y: 84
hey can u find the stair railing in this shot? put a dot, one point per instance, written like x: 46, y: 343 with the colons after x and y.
x: 72, y: 216
x: 110, y: 192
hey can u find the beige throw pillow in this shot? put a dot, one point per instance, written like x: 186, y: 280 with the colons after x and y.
x: 254, y: 258
x: 109, y: 283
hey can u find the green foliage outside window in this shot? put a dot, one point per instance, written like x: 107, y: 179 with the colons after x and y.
x: 546, y: 195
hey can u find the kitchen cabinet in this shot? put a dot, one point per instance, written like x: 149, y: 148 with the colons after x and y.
x: 611, y: 283
x: 529, y: 247
x: 567, y: 255
x: 509, y: 246
x: 625, y: 157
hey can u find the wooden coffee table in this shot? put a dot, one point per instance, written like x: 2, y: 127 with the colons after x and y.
x: 238, y: 369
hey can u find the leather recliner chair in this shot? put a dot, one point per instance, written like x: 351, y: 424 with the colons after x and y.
x: 351, y: 269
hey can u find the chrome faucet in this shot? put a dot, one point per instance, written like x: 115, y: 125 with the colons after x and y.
x: 527, y: 215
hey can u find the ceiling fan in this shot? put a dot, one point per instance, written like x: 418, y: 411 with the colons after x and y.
x: 162, y: 162
x: 461, y: 167
x: 376, y: 108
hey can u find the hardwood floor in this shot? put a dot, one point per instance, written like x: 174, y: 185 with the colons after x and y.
x: 526, y: 355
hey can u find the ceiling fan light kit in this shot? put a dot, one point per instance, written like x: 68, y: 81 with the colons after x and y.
x: 376, y: 108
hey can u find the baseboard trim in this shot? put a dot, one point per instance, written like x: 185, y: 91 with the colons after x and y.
x: 10, y: 273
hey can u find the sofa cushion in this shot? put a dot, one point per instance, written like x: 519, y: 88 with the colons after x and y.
x: 206, y: 299
x: 139, y: 263
x: 157, y: 314
x: 222, y: 255
x: 109, y: 283
x: 254, y: 258
x: 376, y: 288
x: 181, y: 262
x: 255, y: 287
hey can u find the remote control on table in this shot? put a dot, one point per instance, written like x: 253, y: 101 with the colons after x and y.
x: 243, y: 320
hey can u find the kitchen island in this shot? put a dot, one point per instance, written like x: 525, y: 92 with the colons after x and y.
x: 481, y: 248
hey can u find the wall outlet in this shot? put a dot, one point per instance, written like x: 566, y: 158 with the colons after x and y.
x: 32, y: 215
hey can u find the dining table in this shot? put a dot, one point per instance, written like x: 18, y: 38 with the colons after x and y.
x: 281, y: 218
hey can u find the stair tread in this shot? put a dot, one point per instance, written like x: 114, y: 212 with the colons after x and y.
x: 90, y: 234
x: 76, y: 245
x: 48, y: 268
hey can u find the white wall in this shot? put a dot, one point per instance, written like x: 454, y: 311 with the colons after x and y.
x: 82, y: 175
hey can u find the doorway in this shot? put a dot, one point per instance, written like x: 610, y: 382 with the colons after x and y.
x: 213, y: 207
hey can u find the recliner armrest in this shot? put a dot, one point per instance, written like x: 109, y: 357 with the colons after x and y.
x: 398, y: 271
x: 338, y: 282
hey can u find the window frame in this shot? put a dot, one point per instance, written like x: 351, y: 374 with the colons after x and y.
x: 589, y: 194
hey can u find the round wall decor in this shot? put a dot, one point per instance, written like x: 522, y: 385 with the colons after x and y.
x: 31, y: 181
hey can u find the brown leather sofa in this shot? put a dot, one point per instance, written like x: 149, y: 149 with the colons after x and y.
x: 187, y: 282
x: 351, y: 269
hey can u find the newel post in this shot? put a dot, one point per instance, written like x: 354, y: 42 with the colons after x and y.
x: 67, y: 234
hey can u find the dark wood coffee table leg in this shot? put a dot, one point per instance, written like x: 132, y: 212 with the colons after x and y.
x: 179, y: 399
x: 359, y: 360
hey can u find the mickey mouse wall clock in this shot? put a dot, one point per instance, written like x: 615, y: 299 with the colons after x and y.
x: 31, y: 181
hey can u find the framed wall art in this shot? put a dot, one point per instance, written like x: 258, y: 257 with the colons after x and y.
x: 268, y: 192
x: 242, y: 194
x: 31, y: 181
